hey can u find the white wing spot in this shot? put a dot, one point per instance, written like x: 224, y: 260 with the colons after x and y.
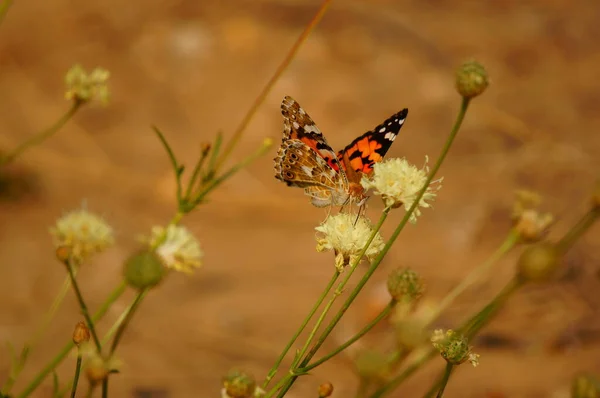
x: 381, y: 130
x: 311, y: 128
x: 400, y: 122
x: 390, y: 136
x: 307, y: 170
x: 296, y: 125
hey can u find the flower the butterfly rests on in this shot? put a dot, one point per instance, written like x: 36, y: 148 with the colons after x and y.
x: 305, y: 160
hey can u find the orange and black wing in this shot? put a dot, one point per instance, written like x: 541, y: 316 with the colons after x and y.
x: 371, y: 147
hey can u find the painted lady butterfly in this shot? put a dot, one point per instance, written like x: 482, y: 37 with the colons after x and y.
x: 305, y: 160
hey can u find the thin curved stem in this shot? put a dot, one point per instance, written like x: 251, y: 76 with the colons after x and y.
x: 82, y: 305
x: 384, y: 313
x: 43, y: 135
x: 445, y: 378
x: 578, y: 229
x: 271, y: 83
x: 39, y: 378
x: 312, y: 312
x: 76, y: 377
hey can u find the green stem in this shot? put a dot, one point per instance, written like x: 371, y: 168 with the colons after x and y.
x: 388, y: 245
x: 76, y: 377
x: 130, y: 312
x: 177, y: 169
x: 271, y: 83
x: 578, y: 229
x: 4, y: 9
x: 43, y: 135
x: 39, y: 378
x: 396, y: 381
x: 195, y: 173
x: 384, y: 313
x: 472, y: 326
x: 511, y: 240
x: 445, y: 378
x: 82, y: 305
x: 218, y: 181
x: 275, y: 367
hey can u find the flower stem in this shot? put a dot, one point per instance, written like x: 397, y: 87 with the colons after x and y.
x: 114, y: 296
x: 36, y: 336
x: 511, y: 240
x: 445, y: 378
x: 119, y: 334
x: 388, y: 245
x: 385, y: 312
x: 578, y: 229
x: 396, y: 381
x: 325, y: 292
x: 76, y: 377
x: 274, y: 78
x: 43, y: 135
x: 82, y: 305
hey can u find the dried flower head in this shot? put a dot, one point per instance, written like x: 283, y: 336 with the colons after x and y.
x: 325, y: 390
x: 84, y: 87
x: 399, y: 182
x: 471, y: 79
x: 79, y: 234
x: 531, y: 224
x: 177, y: 247
x: 453, y: 347
x: 346, y: 235
x: 81, y: 334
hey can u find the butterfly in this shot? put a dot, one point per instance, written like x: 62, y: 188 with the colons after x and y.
x: 305, y: 160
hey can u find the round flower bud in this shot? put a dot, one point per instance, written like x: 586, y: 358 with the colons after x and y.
x: 471, y: 79
x: 239, y: 384
x: 325, y: 390
x: 372, y: 365
x: 96, y: 370
x: 81, y: 333
x: 143, y: 270
x: 453, y: 347
x: 405, y: 284
x: 585, y: 386
x: 538, y: 262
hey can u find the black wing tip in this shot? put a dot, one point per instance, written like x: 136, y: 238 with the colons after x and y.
x: 403, y: 113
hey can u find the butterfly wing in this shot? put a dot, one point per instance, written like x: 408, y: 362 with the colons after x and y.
x: 362, y: 153
x: 298, y: 165
x: 298, y: 125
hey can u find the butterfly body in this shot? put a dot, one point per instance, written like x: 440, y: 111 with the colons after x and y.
x: 306, y: 160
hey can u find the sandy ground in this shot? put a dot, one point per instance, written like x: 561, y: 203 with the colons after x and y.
x: 193, y: 68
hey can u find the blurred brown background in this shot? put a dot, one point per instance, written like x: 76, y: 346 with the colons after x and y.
x: 193, y: 68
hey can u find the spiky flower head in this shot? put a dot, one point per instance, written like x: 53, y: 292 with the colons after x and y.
x: 79, y: 234
x: 399, y: 182
x: 347, y: 235
x: 471, y: 79
x: 453, y: 347
x: 84, y: 87
x: 177, y: 247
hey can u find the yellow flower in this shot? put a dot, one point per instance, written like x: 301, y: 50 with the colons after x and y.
x: 346, y: 236
x: 177, y: 247
x: 82, y: 233
x: 84, y: 87
x: 399, y: 182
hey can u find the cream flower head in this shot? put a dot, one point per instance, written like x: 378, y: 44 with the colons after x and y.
x: 177, y: 247
x: 399, y: 182
x: 346, y: 236
x: 83, y: 86
x: 82, y: 233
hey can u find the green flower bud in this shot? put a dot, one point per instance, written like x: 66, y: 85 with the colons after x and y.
x: 538, y: 262
x: 471, y: 79
x: 239, y: 384
x: 405, y: 284
x: 372, y: 365
x: 143, y: 270
x: 453, y: 347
